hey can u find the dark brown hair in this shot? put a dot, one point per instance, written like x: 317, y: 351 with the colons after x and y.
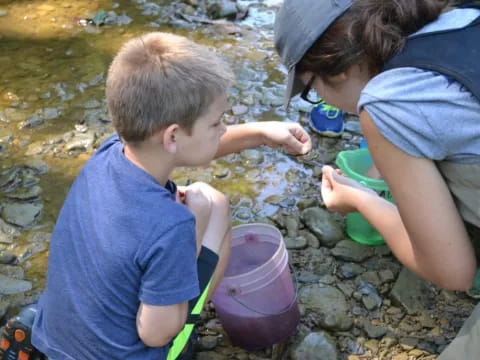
x: 160, y: 79
x: 370, y: 32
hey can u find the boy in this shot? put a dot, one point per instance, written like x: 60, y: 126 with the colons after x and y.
x: 129, y: 251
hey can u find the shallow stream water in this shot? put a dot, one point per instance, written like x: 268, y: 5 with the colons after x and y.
x: 52, y: 88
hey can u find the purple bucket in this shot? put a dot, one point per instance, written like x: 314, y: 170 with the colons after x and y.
x: 256, y: 301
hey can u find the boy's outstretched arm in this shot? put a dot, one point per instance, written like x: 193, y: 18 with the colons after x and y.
x: 291, y: 136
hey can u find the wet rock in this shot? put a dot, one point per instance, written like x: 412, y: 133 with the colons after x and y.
x: 327, y: 279
x: 336, y: 322
x: 8, y: 177
x: 98, y: 79
x: 35, y: 148
x: 350, y: 270
x: 323, y: 225
x: 296, y: 243
x: 312, y: 240
x: 39, y: 166
x: 150, y: 9
x: 388, y: 342
x: 291, y: 224
x: 51, y: 113
x: 369, y: 302
x: 7, y: 232
x: 428, y: 347
x: 316, y: 346
x: 28, y: 178
x: 123, y: 19
x: 239, y: 109
x: 208, y: 342
x: 243, y: 214
x: 92, y: 104
x: 371, y: 345
x: 346, y: 287
x: 386, y: 275
x: 349, y: 250
x: 13, y: 272
x: 252, y: 156
x: 221, y: 173
x: 39, y: 237
x: 10, y: 301
x: 9, y: 286
x: 81, y: 142
x: 32, y: 249
x: 46, y: 95
x: 307, y: 202
x: 274, y: 199
x: 14, y: 115
x: 81, y: 128
x: 28, y: 193
x: 382, y: 250
x: 60, y: 89
x: 248, y: 100
x: 324, y: 300
x: 408, y: 343
x: 307, y: 277
x: 370, y: 298
x: 3, y: 117
x: 21, y: 214
x: 8, y: 259
x: 371, y: 277
x: 411, y: 292
x: 426, y: 321
x: 31, y: 122
x: 270, y: 99
x: 374, y: 331
x: 218, y: 9
x: 354, y: 347
x: 287, y: 202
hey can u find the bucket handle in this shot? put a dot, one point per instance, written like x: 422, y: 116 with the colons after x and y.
x: 294, y: 300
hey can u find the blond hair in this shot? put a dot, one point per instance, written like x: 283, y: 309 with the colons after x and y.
x: 161, y: 79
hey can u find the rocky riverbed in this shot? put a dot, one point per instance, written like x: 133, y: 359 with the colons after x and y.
x: 356, y: 302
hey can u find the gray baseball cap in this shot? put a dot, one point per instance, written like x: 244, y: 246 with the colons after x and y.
x: 298, y: 24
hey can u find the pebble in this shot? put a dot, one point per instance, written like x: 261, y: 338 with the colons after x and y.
x: 221, y: 173
x: 408, y: 343
x: 371, y: 345
x: 208, y: 342
x: 239, y: 109
x: 8, y: 259
x: 297, y: 243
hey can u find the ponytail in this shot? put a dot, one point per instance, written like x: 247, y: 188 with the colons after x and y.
x: 371, y: 32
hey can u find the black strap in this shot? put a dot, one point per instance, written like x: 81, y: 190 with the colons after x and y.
x: 454, y: 52
x: 475, y: 4
x: 193, y: 318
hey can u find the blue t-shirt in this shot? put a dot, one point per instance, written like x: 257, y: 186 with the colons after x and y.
x: 120, y: 239
x: 424, y: 113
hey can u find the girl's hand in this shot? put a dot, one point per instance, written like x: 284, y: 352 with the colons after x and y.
x: 341, y: 194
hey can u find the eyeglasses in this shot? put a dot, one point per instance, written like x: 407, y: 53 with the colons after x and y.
x: 306, y: 92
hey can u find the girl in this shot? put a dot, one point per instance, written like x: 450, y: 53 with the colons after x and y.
x: 410, y: 69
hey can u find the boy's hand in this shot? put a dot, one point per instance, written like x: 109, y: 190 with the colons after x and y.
x: 291, y: 136
x: 199, y: 198
x: 341, y: 194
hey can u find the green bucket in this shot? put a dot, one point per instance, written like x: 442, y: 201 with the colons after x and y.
x: 354, y: 164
